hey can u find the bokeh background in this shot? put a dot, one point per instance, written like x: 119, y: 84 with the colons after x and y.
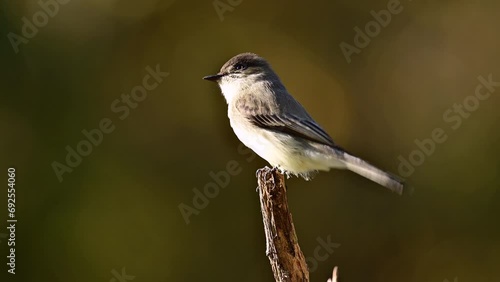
x: 120, y: 207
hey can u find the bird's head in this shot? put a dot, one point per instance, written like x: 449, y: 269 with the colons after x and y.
x: 240, y: 72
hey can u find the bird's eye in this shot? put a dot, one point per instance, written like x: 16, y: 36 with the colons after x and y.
x: 240, y: 67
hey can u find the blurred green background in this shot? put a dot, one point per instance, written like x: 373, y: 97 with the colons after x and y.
x: 120, y: 207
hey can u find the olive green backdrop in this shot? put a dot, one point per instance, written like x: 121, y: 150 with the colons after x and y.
x: 118, y: 212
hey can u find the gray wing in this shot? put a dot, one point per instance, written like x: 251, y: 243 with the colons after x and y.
x: 292, y: 125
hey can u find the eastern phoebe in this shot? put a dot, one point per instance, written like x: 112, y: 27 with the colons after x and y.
x: 274, y: 125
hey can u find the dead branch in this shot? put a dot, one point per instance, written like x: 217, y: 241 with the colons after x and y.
x: 282, y: 247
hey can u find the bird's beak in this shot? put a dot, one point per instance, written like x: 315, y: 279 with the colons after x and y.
x: 214, y: 77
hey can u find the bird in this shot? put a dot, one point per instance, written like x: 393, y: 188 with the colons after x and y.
x: 269, y: 121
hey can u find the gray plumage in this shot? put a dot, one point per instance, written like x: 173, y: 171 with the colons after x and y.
x: 274, y: 125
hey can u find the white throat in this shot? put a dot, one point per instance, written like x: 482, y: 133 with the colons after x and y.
x: 230, y: 89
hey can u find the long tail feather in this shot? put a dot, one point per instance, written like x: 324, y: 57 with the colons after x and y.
x: 369, y: 171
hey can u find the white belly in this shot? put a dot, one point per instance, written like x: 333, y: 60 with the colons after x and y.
x: 281, y: 151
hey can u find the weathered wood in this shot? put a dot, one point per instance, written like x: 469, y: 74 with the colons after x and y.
x: 282, y: 247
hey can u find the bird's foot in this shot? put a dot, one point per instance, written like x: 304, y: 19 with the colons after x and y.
x: 274, y: 169
x: 258, y: 171
x: 282, y: 171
